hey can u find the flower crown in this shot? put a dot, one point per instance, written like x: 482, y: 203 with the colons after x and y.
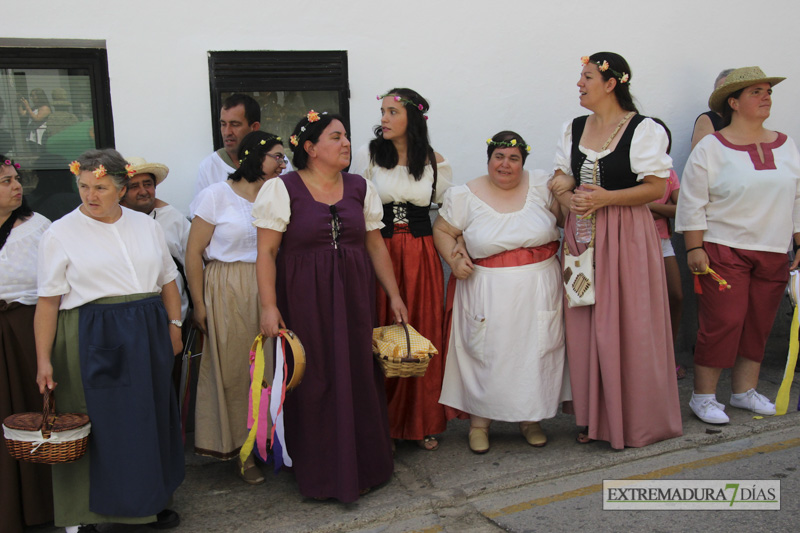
x: 405, y: 101
x: 311, y: 116
x: 508, y: 144
x: 11, y: 163
x: 101, y: 171
x: 263, y: 142
x: 622, y: 77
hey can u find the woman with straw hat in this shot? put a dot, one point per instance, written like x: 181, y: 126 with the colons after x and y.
x: 741, y: 192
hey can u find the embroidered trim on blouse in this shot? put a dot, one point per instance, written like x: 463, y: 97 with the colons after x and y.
x: 752, y: 150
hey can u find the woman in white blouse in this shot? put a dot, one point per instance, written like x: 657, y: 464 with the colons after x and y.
x: 409, y: 177
x: 225, y: 301
x: 739, y: 210
x: 107, y: 326
x: 506, y: 351
x: 27, y: 494
x: 621, y: 359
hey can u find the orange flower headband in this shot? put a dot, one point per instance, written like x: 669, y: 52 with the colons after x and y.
x: 621, y: 77
x: 101, y: 171
x: 311, y: 116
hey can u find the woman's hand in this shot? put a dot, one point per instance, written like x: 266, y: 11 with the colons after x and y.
x: 199, y: 317
x: 271, y: 321
x: 462, y: 267
x: 589, y: 198
x: 697, y: 260
x: 399, y: 310
x: 177, y: 340
x: 796, y: 261
x: 561, y: 183
x: 460, y: 248
x: 44, y: 377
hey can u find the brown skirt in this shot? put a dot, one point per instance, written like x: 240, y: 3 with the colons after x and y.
x: 26, y: 492
x: 233, y: 313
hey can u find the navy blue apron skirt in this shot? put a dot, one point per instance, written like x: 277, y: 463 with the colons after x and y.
x: 136, y: 446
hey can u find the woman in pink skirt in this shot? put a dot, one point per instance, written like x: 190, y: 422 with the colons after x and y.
x: 619, y: 349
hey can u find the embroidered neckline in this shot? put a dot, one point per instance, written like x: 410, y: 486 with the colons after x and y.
x: 752, y: 150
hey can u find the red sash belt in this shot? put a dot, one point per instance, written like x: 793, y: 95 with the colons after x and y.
x: 519, y: 256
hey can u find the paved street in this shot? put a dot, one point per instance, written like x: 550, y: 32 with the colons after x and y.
x: 515, y: 487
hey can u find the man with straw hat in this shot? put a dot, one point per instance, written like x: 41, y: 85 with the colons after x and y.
x: 141, y: 196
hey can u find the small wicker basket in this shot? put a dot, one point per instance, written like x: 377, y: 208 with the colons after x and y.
x: 403, y: 366
x: 47, y: 437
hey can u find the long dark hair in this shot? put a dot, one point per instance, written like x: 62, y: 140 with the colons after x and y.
x: 617, y: 67
x: 420, y: 152
x: 23, y: 212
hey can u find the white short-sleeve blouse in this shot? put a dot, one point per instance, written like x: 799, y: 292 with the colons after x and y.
x: 737, y: 199
x: 648, y: 153
x: 398, y: 185
x: 272, y: 210
x: 234, y: 237
x: 18, y: 261
x: 488, y: 232
x: 82, y: 259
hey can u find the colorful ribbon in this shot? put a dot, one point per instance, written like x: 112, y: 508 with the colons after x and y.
x: 257, y: 377
x: 281, y: 454
x: 782, y: 401
x: 723, y: 285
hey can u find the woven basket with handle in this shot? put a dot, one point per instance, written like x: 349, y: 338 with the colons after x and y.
x: 400, y: 359
x: 47, y: 437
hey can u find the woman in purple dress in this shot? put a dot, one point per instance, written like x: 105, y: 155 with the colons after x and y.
x: 319, y: 250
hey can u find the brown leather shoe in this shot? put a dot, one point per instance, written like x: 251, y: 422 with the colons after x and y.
x: 249, y: 471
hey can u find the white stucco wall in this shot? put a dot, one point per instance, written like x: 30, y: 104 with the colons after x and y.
x: 484, y: 66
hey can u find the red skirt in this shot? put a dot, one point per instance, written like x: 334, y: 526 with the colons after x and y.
x: 414, y: 409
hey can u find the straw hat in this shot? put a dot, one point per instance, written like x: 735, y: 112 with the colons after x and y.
x: 141, y: 166
x: 738, y: 79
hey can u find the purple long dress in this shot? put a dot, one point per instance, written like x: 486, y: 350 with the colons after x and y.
x: 337, y: 429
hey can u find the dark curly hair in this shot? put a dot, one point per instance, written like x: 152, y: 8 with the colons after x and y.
x: 309, y: 131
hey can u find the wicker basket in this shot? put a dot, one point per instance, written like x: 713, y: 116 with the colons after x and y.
x: 47, y: 437
x: 403, y: 366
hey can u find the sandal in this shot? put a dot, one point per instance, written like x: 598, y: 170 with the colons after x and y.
x: 533, y: 433
x: 428, y: 443
x: 479, y: 440
x: 680, y: 371
x: 583, y: 436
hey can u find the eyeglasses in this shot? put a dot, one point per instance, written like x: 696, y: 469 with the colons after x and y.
x: 279, y: 157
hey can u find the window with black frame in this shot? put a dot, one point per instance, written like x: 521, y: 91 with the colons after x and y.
x: 285, y: 84
x: 55, y: 103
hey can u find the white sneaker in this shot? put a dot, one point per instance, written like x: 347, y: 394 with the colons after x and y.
x: 756, y: 402
x: 709, y: 411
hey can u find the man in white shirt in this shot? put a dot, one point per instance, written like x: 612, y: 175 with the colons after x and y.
x: 240, y: 114
x: 141, y: 196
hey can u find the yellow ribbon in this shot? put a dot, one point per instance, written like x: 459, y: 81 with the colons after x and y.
x: 782, y: 401
x: 255, y: 394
